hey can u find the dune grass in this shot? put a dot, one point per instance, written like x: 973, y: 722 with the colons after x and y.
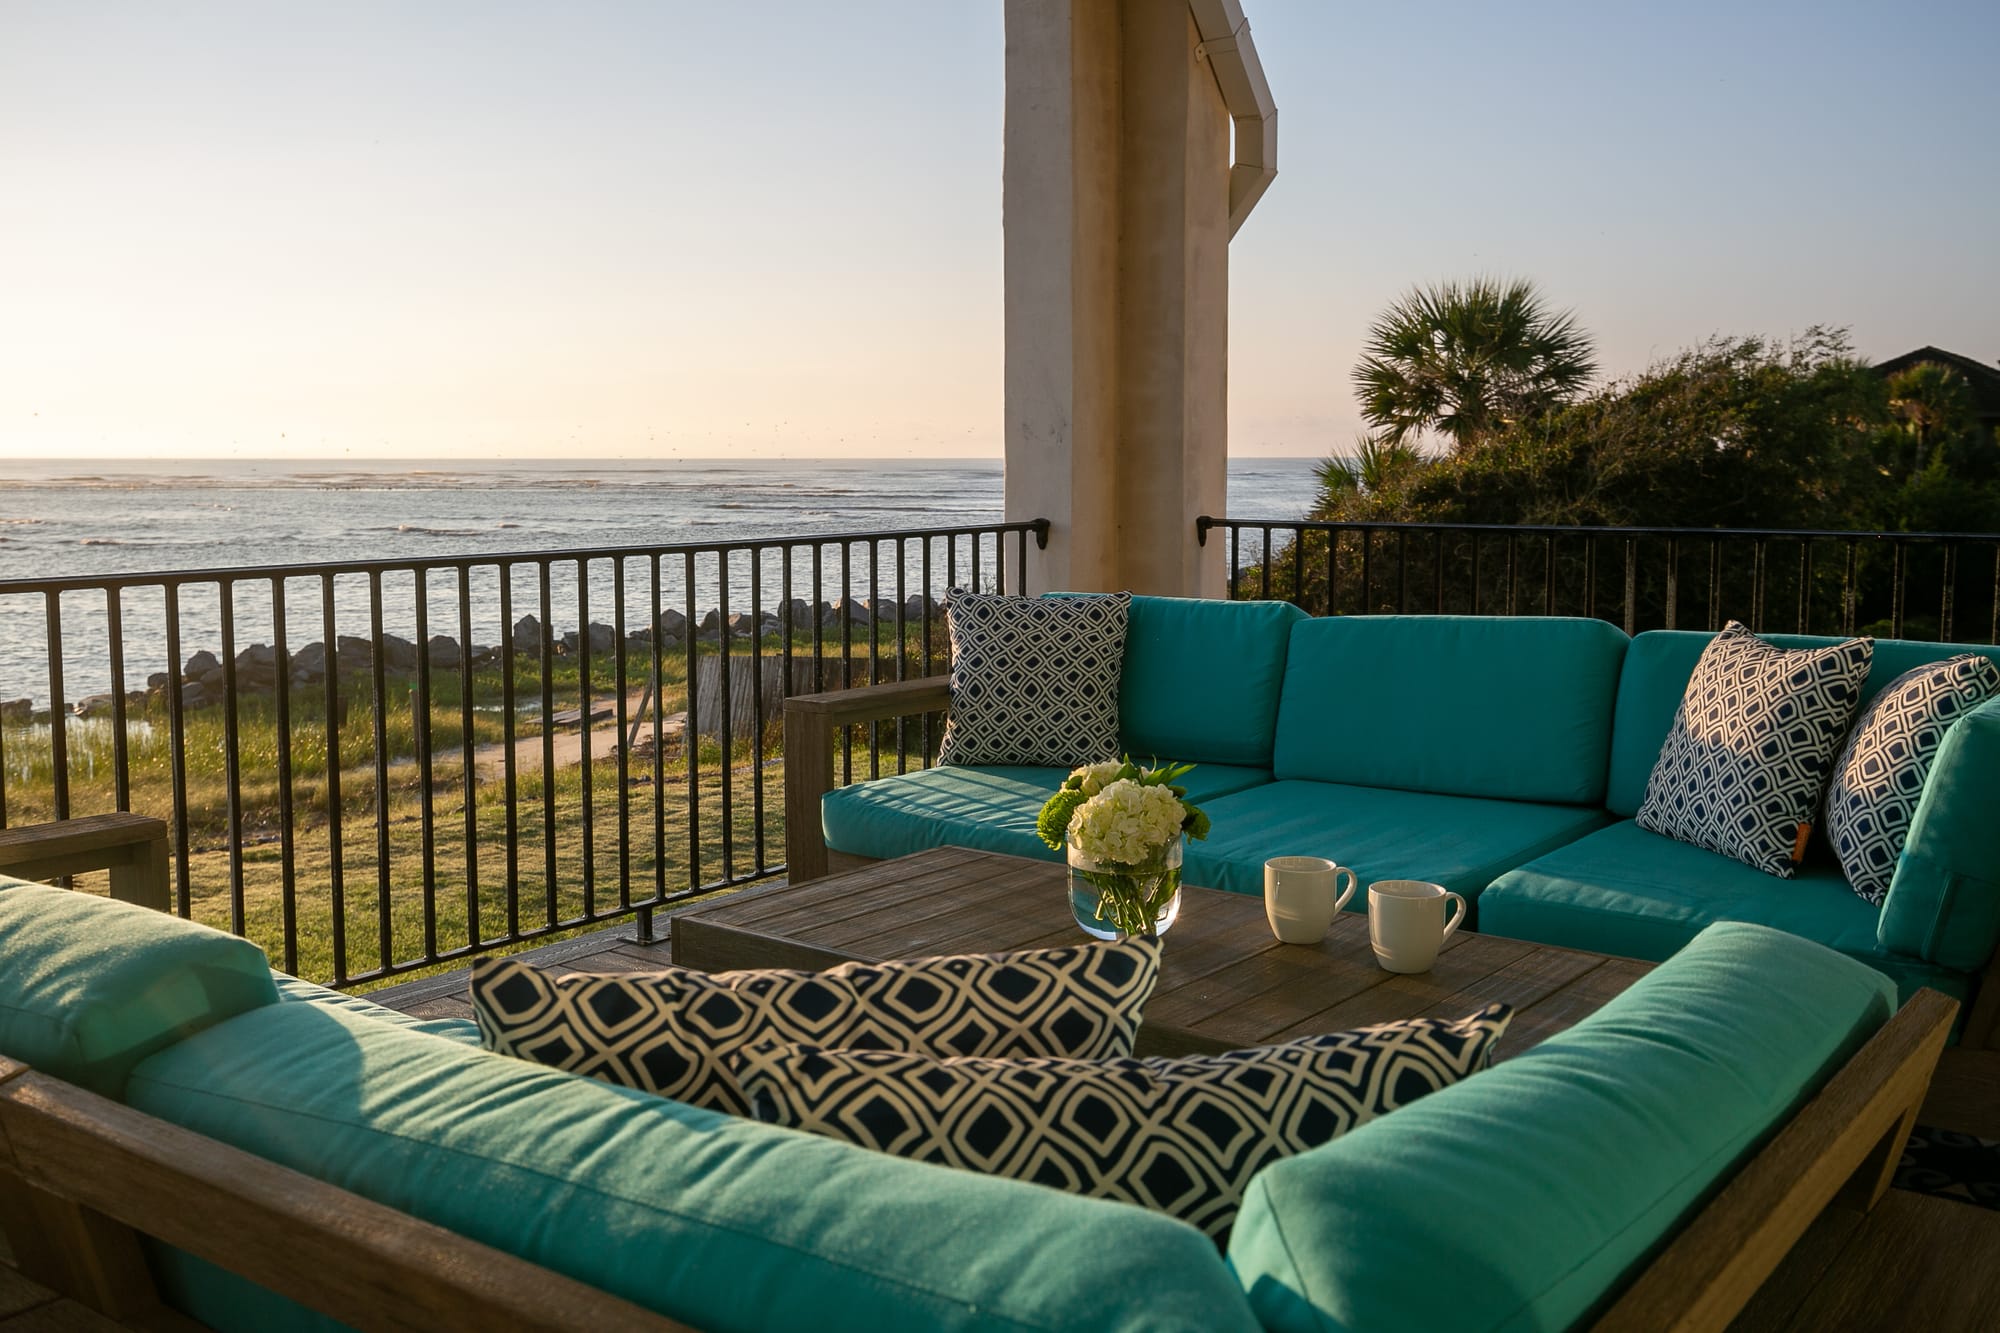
x: 609, y: 841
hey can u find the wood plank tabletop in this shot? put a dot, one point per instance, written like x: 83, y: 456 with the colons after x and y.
x: 1225, y: 981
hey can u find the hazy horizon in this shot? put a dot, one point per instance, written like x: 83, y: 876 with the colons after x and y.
x: 373, y: 232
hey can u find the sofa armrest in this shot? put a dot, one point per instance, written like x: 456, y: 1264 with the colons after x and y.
x: 811, y: 723
x: 1944, y: 902
x: 132, y: 847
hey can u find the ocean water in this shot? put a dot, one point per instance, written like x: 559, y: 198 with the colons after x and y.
x: 94, y: 519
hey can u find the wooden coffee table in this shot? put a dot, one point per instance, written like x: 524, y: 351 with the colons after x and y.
x: 1225, y: 981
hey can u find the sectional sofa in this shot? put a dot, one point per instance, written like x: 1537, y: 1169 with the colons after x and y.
x: 1503, y: 757
x: 178, y: 1125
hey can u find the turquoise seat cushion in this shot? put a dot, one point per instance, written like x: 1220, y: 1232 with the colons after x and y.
x: 987, y: 809
x: 1526, y: 1196
x: 1636, y: 894
x: 1944, y: 902
x: 719, y: 1222
x: 1657, y: 668
x: 1461, y: 842
x: 457, y: 1029
x: 89, y: 987
x: 1513, y: 707
x: 1228, y: 656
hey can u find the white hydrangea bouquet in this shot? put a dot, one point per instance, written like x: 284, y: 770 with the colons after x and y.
x: 1123, y: 826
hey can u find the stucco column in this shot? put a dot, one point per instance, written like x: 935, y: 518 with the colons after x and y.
x: 1117, y: 219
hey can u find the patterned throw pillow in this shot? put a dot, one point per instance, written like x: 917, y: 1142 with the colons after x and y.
x: 1744, y: 766
x: 1879, y: 777
x: 1182, y: 1136
x: 669, y: 1032
x: 1034, y: 680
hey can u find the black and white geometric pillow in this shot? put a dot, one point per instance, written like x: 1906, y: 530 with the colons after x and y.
x: 1034, y: 680
x: 1182, y: 1136
x: 1743, y: 769
x: 669, y: 1032
x: 1879, y: 777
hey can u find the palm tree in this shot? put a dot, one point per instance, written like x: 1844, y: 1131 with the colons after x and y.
x: 1931, y: 401
x: 1465, y: 359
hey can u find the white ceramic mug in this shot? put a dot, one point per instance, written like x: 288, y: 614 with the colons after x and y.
x: 1406, y: 922
x: 1302, y: 895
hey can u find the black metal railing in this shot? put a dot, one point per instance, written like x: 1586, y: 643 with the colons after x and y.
x: 1925, y: 585
x: 368, y: 804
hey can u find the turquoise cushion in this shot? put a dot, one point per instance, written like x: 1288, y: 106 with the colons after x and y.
x: 457, y: 1029
x: 1514, y: 707
x: 1636, y: 894
x: 89, y: 987
x: 1461, y: 842
x: 716, y: 1221
x: 1228, y: 656
x: 1657, y: 668
x: 1944, y: 903
x: 988, y: 809
x: 1524, y: 1197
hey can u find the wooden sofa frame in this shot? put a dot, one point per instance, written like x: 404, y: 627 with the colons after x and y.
x: 815, y: 724
x: 81, y: 1177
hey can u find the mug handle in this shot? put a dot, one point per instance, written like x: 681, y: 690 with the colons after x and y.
x: 1353, y: 882
x: 1456, y: 917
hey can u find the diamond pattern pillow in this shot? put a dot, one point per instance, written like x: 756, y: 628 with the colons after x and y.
x: 1879, y: 777
x: 669, y: 1032
x: 1034, y: 680
x: 1745, y: 764
x: 1182, y: 1136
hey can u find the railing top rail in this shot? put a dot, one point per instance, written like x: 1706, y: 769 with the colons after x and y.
x: 1207, y: 522
x: 1037, y: 528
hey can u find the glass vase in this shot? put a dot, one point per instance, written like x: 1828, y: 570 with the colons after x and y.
x: 1112, y: 900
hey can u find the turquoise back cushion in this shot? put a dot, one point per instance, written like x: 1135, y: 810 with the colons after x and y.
x: 1202, y: 678
x: 1515, y: 707
x: 89, y: 987
x: 1523, y: 1197
x: 1656, y: 674
x: 719, y: 1222
x: 1944, y: 903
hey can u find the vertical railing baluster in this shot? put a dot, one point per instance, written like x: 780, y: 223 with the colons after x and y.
x: 1947, y: 596
x: 930, y: 719
x: 1367, y: 607
x: 232, y: 754
x: 288, y: 913
x: 1235, y: 563
x: 875, y: 642
x: 587, y: 758
x: 379, y: 674
x: 1437, y: 572
x: 468, y: 756
x: 1549, y: 575
x: 544, y: 570
x: 1590, y: 576
x: 336, y: 875
x: 1264, y: 568
x: 58, y: 707
x: 1805, y: 584
x: 1402, y: 570
x: 509, y: 759
x: 757, y: 705
x: 1299, y: 567
x: 420, y: 737
x: 819, y: 618
x: 1631, y: 586
x: 902, y: 668
x: 726, y: 769
x: 659, y: 667
x: 177, y: 751
x: 1477, y: 588
x: 1757, y: 569
x: 1898, y: 573
x: 847, y: 644
x: 691, y: 729
x: 1715, y: 583
x: 1513, y: 575
x: 121, y: 759
x: 1332, y: 571
x: 1673, y: 593
x: 1847, y: 588
x: 621, y: 718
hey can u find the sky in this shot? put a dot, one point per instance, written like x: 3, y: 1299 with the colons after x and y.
x: 356, y: 229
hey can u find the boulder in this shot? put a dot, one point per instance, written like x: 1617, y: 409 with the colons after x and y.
x: 159, y: 680
x: 848, y: 610
x: 354, y: 653
x: 193, y: 694
x: 94, y: 705
x: 200, y: 665
x: 258, y: 657
x: 603, y: 638
x: 528, y: 636
x: 399, y: 653
x: 444, y: 651
x: 309, y: 662
x: 673, y: 625
x: 17, y: 710
x: 213, y: 682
